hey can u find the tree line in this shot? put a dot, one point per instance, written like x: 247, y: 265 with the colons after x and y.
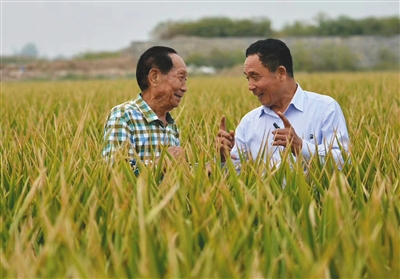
x: 262, y: 27
x: 325, y: 58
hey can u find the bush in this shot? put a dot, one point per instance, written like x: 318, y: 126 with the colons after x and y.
x: 218, y: 59
x: 327, y: 58
x: 387, y: 60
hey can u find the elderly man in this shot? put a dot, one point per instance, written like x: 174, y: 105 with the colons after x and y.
x: 142, y: 127
x: 289, y: 116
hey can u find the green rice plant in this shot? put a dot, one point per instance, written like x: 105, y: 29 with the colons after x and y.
x: 65, y: 212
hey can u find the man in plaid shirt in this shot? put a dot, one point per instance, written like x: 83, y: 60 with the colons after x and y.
x: 142, y: 127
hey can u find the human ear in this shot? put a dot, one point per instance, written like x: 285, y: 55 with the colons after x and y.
x: 281, y: 71
x: 153, y: 77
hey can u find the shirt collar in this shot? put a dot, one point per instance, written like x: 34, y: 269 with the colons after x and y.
x: 148, y: 113
x: 297, y: 102
x: 298, y: 98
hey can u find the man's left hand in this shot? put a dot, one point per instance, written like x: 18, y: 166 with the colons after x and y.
x: 287, y: 136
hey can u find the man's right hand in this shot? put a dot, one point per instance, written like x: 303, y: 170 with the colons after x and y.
x: 175, y: 151
x: 225, y: 140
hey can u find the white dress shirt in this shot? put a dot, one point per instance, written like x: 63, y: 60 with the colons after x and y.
x: 317, y: 119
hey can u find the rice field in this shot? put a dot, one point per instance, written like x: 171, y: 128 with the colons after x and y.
x: 65, y: 213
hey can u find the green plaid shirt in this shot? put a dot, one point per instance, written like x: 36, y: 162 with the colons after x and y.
x: 136, y: 128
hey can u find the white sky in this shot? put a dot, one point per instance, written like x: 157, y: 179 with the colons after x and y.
x: 71, y: 27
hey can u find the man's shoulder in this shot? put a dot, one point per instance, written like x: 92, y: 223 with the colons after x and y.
x: 127, y: 108
x: 254, y: 113
x: 317, y: 97
x: 128, y: 105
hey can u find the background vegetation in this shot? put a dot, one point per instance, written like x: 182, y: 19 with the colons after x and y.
x: 308, y: 57
x: 262, y: 27
x: 322, y: 45
x: 343, y: 26
x: 325, y: 58
x: 214, y: 27
x: 217, y: 58
x: 66, y: 213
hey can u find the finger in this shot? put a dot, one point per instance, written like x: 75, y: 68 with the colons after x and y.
x: 226, y: 143
x: 282, y: 137
x: 222, y: 126
x: 224, y: 149
x: 281, y: 133
x: 280, y: 143
x: 225, y: 135
x: 284, y: 119
x: 232, y: 139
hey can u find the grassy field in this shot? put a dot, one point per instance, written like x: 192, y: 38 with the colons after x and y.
x: 65, y: 213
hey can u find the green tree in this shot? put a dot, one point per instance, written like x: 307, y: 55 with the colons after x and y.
x: 343, y: 26
x: 298, y: 28
x: 214, y: 27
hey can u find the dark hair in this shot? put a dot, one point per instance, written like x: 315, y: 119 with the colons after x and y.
x: 272, y: 53
x: 155, y: 57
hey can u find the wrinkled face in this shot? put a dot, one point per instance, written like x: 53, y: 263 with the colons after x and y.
x: 266, y: 86
x: 172, y: 86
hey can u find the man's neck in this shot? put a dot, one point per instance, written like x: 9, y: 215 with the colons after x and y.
x: 155, y: 105
x: 287, y: 96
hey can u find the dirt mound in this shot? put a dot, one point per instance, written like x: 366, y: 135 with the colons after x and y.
x: 61, y: 69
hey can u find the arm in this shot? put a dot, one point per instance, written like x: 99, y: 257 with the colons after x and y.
x: 118, y: 136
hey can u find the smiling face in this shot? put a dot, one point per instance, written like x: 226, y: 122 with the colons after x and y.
x: 265, y: 85
x: 172, y: 86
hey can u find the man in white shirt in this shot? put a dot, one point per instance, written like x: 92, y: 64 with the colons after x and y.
x: 289, y: 116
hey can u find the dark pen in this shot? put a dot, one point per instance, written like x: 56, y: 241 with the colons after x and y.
x: 276, y: 126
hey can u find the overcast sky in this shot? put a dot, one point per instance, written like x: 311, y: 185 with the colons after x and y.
x: 71, y: 27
